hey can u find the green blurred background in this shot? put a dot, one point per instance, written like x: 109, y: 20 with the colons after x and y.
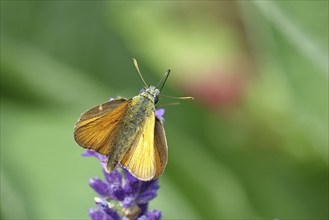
x: 254, y: 143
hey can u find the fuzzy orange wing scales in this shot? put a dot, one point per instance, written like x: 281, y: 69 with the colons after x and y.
x: 97, y: 131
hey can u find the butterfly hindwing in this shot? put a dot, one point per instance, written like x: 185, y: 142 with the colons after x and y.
x: 96, y: 127
x: 160, y: 148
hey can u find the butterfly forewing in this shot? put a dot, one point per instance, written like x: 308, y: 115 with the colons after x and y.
x: 140, y: 158
x: 96, y: 127
x: 98, y: 111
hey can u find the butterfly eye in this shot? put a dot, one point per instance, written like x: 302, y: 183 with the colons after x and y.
x: 156, y: 99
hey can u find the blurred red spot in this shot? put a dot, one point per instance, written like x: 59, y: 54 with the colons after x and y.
x: 217, y: 89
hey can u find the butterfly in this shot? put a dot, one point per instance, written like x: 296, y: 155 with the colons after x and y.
x: 128, y: 132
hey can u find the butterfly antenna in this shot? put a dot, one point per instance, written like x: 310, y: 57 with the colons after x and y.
x: 163, y: 80
x: 168, y: 104
x: 139, y: 72
x: 174, y: 97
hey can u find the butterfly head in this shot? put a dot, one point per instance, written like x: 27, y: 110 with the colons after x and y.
x: 151, y: 93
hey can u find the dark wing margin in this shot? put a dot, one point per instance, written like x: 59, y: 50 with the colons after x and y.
x: 161, y: 148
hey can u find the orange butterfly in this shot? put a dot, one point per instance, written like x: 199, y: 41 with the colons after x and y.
x: 128, y: 132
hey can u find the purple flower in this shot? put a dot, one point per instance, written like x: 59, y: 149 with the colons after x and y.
x: 99, y: 186
x: 153, y: 215
x: 122, y: 195
x: 159, y: 113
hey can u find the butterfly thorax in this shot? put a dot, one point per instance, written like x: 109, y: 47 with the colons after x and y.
x: 150, y: 93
